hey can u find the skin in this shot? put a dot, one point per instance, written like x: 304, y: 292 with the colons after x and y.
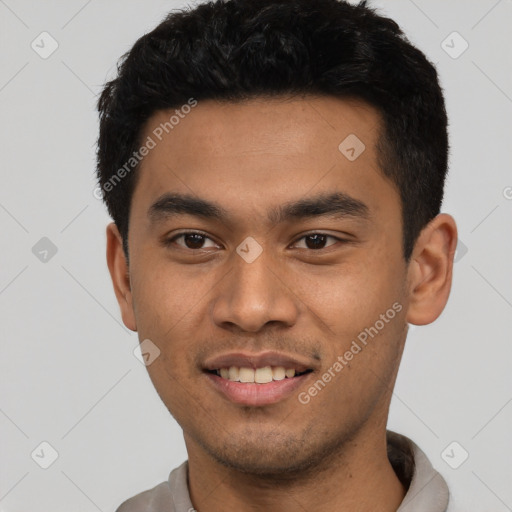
x: 329, y: 454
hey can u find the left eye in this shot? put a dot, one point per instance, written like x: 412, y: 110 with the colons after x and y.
x: 317, y: 241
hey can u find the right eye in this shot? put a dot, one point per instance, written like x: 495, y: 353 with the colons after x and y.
x: 192, y: 240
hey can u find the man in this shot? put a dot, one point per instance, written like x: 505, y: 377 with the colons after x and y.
x: 275, y: 172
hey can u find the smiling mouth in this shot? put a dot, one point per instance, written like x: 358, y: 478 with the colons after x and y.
x: 262, y: 375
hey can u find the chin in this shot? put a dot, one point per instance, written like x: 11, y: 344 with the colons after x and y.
x: 257, y: 465
x: 275, y: 457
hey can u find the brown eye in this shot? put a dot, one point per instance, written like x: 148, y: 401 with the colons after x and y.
x: 192, y: 240
x: 317, y: 241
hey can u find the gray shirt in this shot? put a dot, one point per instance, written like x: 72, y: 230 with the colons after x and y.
x: 427, y: 490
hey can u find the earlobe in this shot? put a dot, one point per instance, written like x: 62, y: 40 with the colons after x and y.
x: 119, y: 273
x: 430, y: 270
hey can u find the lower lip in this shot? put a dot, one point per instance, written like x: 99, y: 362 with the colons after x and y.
x: 257, y: 394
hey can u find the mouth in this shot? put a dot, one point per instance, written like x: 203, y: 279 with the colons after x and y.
x: 262, y: 375
x: 256, y: 379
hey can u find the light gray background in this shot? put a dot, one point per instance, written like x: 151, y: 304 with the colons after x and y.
x: 69, y: 376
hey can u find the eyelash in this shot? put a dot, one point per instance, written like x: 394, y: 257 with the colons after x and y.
x: 170, y: 241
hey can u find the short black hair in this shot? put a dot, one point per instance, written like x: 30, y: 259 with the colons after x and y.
x: 235, y: 50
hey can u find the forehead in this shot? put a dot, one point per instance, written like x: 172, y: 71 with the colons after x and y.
x: 305, y: 125
x: 263, y: 150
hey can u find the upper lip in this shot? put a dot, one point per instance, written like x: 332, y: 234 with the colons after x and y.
x: 257, y: 360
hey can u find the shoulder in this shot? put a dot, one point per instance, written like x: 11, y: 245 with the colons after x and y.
x: 152, y: 500
x: 160, y: 498
x: 426, y: 488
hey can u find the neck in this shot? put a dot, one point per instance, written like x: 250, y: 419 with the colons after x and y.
x: 358, y: 477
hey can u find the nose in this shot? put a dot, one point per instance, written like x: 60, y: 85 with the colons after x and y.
x: 253, y: 295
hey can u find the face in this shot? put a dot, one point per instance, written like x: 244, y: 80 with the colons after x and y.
x: 256, y: 242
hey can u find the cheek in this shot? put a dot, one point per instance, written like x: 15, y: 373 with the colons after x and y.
x: 172, y: 386
x: 363, y: 320
x: 364, y: 357
x: 350, y: 297
x: 167, y: 308
x: 164, y: 296
x: 171, y: 304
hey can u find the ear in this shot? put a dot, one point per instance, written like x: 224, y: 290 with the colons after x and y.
x: 430, y: 270
x: 120, y: 275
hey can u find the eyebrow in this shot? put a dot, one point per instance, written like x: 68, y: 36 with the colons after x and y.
x: 334, y: 205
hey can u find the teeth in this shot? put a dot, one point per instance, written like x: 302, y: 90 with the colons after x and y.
x: 246, y: 375
x: 260, y: 375
x: 233, y: 374
x: 263, y: 375
x: 278, y: 373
